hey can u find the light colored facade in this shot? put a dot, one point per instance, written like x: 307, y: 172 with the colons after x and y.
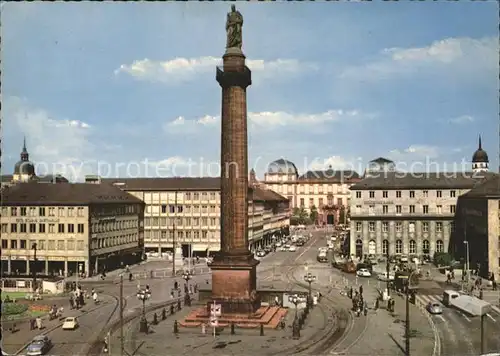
x: 186, y: 212
x: 326, y: 190
x: 68, y: 236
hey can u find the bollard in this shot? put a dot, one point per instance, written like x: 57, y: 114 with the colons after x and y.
x: 179, y: 305
x: 155, y: 319
x: 295, y: 331
x: 232, y: 329
x: 172, y: 309
x: 163, y: 314
x: 261, y: 329
x: 176, y: 327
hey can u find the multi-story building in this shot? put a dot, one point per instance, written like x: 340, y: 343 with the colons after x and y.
x: 185, y: 212
x: 70, y: 227
x: 326, y: 190
x: 409, y: 213
x: 477, y: 233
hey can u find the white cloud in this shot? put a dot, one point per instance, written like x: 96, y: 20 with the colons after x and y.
x: 451, y: 54
x: 463, y: 119
x: 55, y: 145
x: 270, y: 120
x: 180, y: 70
x: 336, y: 163
x: 414, y: 152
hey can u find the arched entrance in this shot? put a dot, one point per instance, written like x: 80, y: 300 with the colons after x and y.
x: 359, y: 248
x: 330, y: 219
x: 372, y: 247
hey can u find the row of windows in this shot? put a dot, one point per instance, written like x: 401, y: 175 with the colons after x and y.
x: 399, y: 226
x: 170, y: 234
x: 340, y: 201
x: 114, y: 241
x: 411, y: 194
x: 412, y: 209
x: 310, y: 188
x: 43, y: 211
x: 148, y: 197
x: 108, y: 226
x: 66, y: 211
x: 43, y: 228
x: 399, y: 246
x: 153, y: 222
x: 44, y: 245
x: 172, y: 209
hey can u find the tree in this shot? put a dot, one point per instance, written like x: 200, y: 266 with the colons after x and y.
x: 299, y: 217
x: 313, y: 216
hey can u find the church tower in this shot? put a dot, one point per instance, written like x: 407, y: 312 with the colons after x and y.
x: 480, y: 159
x: 24, y: 170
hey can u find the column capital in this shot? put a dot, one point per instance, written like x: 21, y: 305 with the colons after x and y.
x: 242, y: 79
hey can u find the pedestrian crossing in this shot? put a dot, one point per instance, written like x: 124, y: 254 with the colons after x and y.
x: 425, y: 299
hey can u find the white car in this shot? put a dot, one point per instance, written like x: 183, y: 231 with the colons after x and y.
x: 363, y: 272
x: 70, y: 323
x: 292, y: 248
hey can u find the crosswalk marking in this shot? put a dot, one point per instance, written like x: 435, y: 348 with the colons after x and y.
x: 426, y: 299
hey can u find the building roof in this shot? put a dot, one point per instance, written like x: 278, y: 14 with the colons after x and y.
x: 489, y: 188
x: 260, y: 194
x: 423, y: 180
x: 480, y: 156
x: 65, y: 194
x: 381, y: 160
x: 165, y: 184
x: 186, y: 184
x: 330, y: 175
x: 6, y: 178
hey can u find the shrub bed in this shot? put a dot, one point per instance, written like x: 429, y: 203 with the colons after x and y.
x: 13, y: 309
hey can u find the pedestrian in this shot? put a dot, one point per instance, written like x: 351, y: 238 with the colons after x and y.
x: 361, y: 289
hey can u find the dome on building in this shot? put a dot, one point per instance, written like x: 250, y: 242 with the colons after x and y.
x: 480, y: 156
x: 282, y: 166
x: 24, y: 168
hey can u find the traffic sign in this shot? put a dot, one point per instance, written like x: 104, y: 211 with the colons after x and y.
x: 214, y: 322
x: 216, y: 309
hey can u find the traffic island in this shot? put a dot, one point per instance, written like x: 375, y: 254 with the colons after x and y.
x: 231, y: 337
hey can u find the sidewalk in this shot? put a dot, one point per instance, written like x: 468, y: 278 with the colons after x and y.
x: 12, y: 343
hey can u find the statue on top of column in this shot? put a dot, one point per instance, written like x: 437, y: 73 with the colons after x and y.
x: 234, y: 26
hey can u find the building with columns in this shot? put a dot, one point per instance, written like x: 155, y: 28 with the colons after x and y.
x: 185, y: 212
x: 326, y: 190
x: 400, y: 213
x: 70, y: 227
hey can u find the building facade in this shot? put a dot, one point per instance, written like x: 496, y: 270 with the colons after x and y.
x: 185, y: 212
x: 477, y: 235
x: 69, y: 227
x: 399, y: 213
x: 325, y: 190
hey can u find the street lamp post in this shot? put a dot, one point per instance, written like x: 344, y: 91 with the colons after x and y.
x: 467, y: 262
x: 409, y: 287
x: 33, y: 268
x: 187, y: 298
x: 309, y: 278
x: 144, y: 295
x: 294, y: 299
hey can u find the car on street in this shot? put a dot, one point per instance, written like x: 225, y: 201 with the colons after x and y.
x: 39, y: 346
x: 70, y: 323
x: 292, y: 248
x: 260, y: 253
x: 278, y: 244
x: 434, y: 308
x: 363, y: 272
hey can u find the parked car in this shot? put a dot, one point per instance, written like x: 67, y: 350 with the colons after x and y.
x: 292, y: 248
x: 39, y: 346
x: 260, y: 253
x: 363, y: 272
x: 434, y: 308
x: 70, y: 323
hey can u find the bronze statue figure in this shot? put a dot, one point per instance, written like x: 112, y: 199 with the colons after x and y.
x: 234, y: 26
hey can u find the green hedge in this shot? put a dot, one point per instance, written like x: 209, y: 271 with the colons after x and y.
x: 13, y: 308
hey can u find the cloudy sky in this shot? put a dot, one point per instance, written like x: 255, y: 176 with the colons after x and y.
x: 129, y: 89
